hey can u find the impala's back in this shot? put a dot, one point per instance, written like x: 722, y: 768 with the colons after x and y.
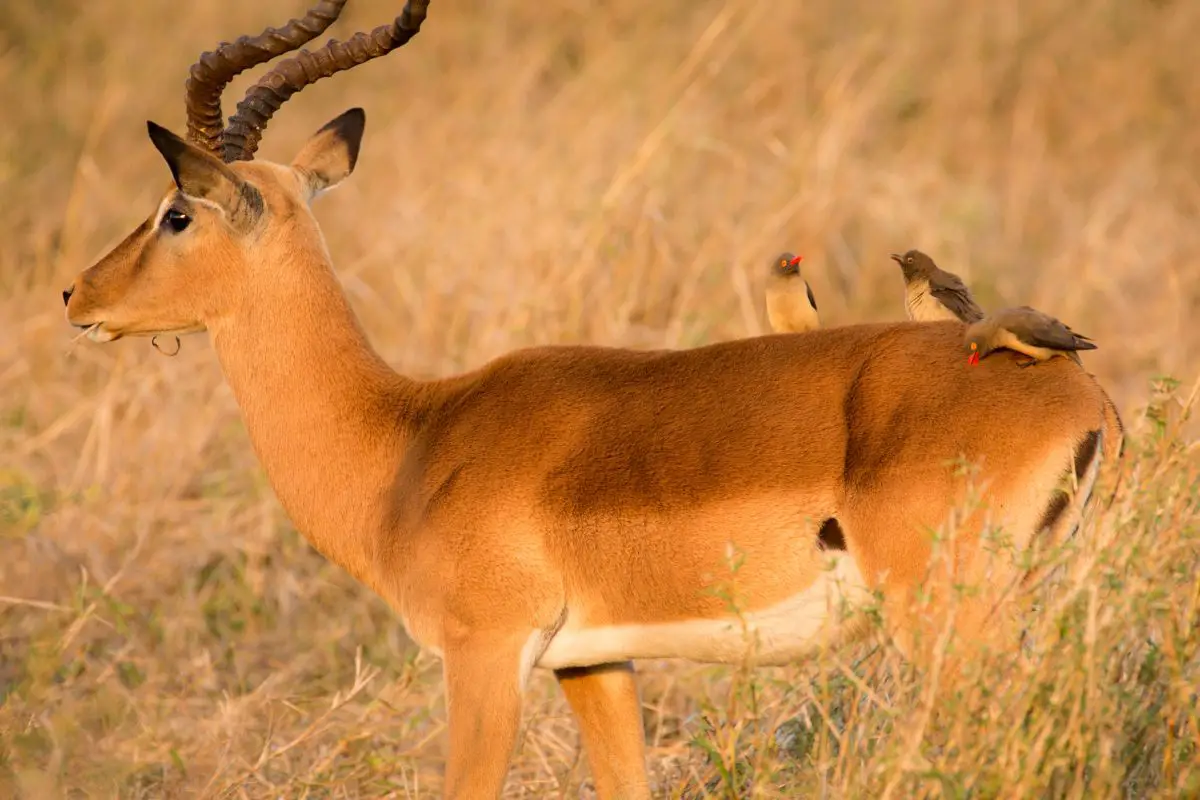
x: 632, y: 485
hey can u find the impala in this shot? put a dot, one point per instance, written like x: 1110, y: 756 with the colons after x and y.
x: 573, y: 508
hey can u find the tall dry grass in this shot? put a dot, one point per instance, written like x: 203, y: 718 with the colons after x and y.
x: 614, y: 172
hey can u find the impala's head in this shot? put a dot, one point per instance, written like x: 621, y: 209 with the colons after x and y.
x: 786, y: 264
x: 914, y: 264
x: 224, y: 214
x: 193, y: 258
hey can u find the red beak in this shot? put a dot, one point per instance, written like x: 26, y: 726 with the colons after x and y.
x: 974, y: 359
x: 795, y: 261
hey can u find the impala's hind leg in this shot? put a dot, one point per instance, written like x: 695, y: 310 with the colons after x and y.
x: 928, y: 593
x: 974, y: 580
x: 605, y: 701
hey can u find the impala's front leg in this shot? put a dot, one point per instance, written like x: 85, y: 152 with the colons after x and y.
x: 485, y: 677
x: 605, y: 701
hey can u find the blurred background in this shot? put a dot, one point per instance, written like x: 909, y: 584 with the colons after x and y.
x: 605, y: 171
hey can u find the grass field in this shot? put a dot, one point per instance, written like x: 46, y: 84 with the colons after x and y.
x: 614, y: 172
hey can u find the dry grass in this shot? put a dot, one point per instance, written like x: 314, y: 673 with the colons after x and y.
x: 615, y: 172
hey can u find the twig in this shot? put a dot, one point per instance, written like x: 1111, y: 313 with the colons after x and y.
x: 42, y: 604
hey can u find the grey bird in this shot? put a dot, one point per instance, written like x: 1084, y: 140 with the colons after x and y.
x: 1025, y: 330
x: 791, y: 307
x: 932, y: 294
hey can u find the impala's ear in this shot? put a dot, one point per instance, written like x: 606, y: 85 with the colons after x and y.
x: 329, y: 156
x: 204, y: 176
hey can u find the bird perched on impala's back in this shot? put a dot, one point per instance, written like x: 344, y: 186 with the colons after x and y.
x: 1024, y: 330
x: 791, y: 307
x: 932, y: 294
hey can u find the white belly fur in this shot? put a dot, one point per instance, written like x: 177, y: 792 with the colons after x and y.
x: 924, y: 307
x: 788, y: 309
x: 795, y: 628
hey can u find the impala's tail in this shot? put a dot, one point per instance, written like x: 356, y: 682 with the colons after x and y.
x: 1097, y: 459
x: 1114, y: 450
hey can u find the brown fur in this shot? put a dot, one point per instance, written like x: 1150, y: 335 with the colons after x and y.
x: 558, y: 491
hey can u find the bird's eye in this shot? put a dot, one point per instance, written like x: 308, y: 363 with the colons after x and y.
x: 176, y: 220
x: 909, y: 259
x: 783, y: 262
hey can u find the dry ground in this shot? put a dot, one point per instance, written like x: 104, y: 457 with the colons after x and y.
x: 615, y: 172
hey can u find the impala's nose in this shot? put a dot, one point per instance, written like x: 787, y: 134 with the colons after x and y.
x: 67, y: 294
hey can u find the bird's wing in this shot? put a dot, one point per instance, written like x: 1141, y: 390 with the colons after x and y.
x: 1055, y: 335
x: 812, y: 301
x: 951, y: 292
x: 1055, y: 332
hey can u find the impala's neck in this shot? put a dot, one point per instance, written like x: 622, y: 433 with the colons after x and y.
x: 328, y: 418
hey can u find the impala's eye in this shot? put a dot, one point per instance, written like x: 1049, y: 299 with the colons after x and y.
x: 176, y: 220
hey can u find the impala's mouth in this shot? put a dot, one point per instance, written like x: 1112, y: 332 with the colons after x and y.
x: 100, y: 333
x: 96, y: 332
